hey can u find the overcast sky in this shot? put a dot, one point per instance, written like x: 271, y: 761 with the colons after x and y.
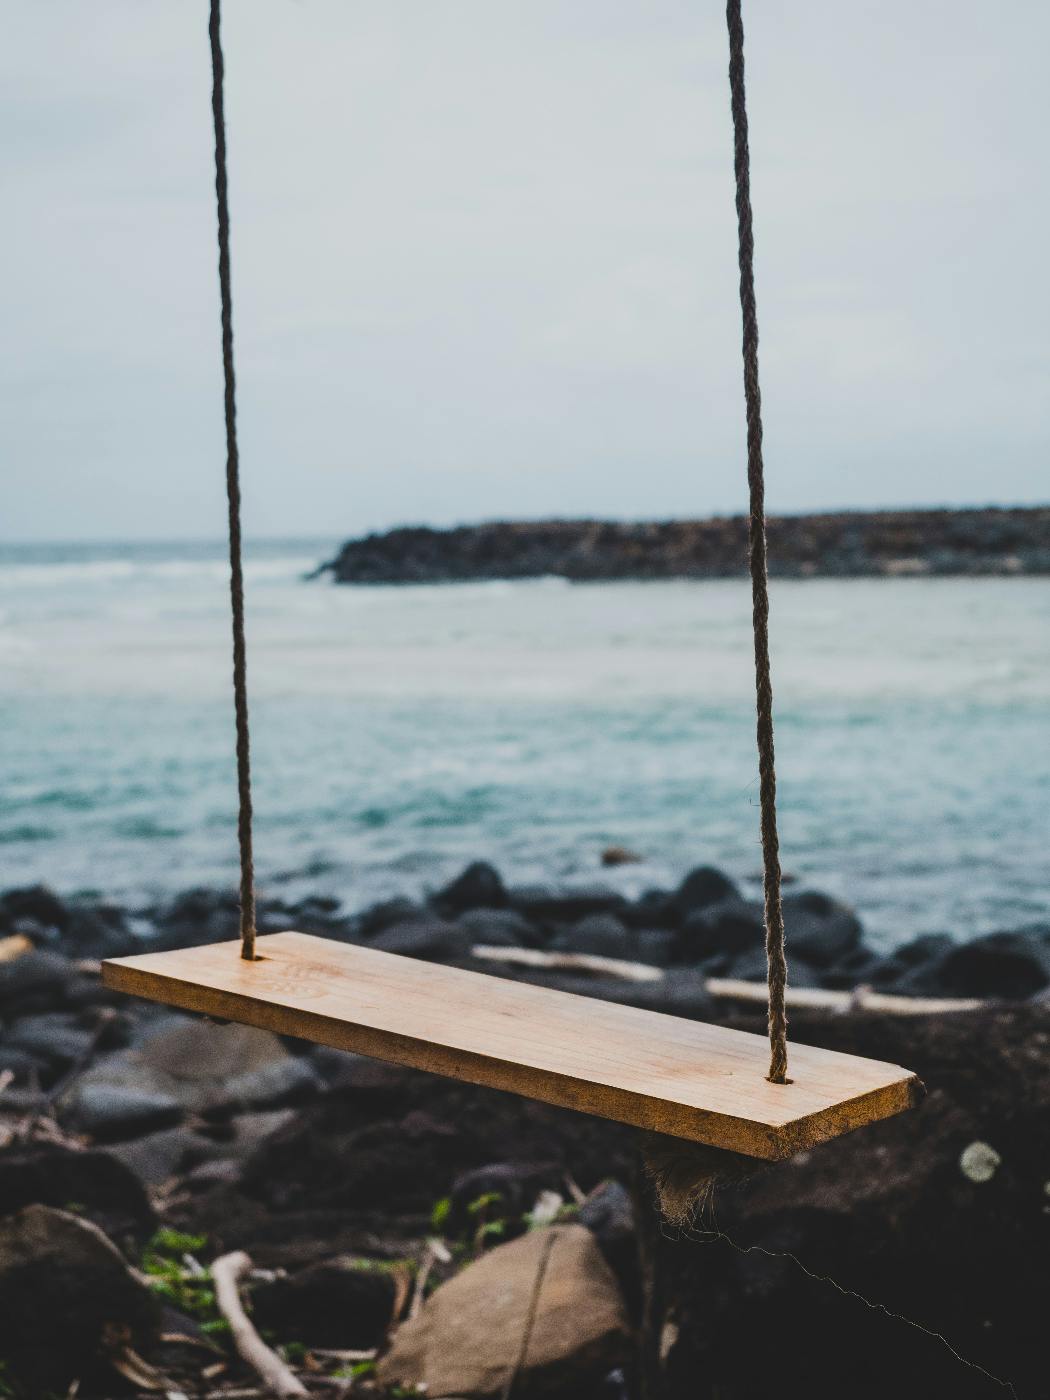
x: 484, y: 260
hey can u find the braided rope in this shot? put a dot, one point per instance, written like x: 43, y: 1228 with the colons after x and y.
x: 233, y: 498
x: 776, y: 961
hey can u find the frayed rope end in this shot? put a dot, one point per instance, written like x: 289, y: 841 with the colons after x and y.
x: 684, y: 1175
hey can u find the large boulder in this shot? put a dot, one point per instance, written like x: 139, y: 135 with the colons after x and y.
x: 820, y: 930
x: 544, y: 1310
x: 433, y: 939
x: 722, y: 929
x: 480, y: 886
x: 34, y: 982
x: 1010, y: 964
x: 701, y: 888
x: 187, y: 1066
x: 67, y: 1297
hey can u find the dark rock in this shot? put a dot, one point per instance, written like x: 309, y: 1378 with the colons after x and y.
x: 292, y: 1080
x: 653, y: 945
x: 703, y: 887
x: 608, y: 1212
x: 101, y: 1189
x: 98, y: 931
x: 55, y: 1037
x: 158, y: 1157
x: 648, y: 911
x: 819, y: 929
x: 890, y: 1213
x: 36, y: 903
x: 912, y: 969
x: 434, y: 939
x: 389, y: 912
x: 64, y: 1290
x: 110, y: 1112
x: 858, y: 968
x: 33, y: 982
x: 340, y: 1303
x: 23, y: 1065
x: 1009, y: 964
x: 601, y: 934
x: 196, y: 917
x: 504, y: 928
x: 837, y: 544
x: 730, y: 926
x: 478, y: 887
x: 544, y: 904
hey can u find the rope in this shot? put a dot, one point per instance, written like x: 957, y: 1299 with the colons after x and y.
x: 233, y: 497
x: 776, y: 962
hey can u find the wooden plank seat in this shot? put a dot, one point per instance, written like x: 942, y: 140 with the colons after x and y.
x: 684, y: 1078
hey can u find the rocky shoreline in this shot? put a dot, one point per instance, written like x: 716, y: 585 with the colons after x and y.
x: 905, y: 543
x: 383, y: 1209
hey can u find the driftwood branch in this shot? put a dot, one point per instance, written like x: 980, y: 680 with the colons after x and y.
x: 731, y: 988
x: 226, y: 1272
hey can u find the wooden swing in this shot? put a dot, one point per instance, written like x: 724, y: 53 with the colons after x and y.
x: 708, y: 1084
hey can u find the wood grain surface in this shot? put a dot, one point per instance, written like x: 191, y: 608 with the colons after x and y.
x: 663, y: 1073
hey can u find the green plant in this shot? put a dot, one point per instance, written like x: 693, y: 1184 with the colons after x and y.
x: 188, y: 1290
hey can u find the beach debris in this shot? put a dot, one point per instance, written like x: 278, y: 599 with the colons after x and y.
x: 979, y: 1162
x: 227, y: 1272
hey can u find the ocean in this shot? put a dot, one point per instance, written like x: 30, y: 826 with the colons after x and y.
x: 399, y: 732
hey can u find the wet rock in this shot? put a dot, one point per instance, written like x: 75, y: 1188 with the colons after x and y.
x: 195, y: 917
x: 1010, y: 964
x: 340, y: 1303
x: 820, y: 930
x: 467, y: 1340
x: 34, y: 982
x: 386, y: 914
x: 703, y: 887
x: 110, y: 1112
x: 65, y: 1291
x: 546, y: 905
x: 56, y: 1037
x: 729, y: 927
x: 101, y: 1189
x: 648, y: 911
x: 98, y: 931
x: 480, y: 886
x: 158, y: 1157
x: 601, y: 934
x: 283, y: 1082
x: 434, y: 939
x: 653, y: 945
x: 504, y: 928
x: 37, y: 904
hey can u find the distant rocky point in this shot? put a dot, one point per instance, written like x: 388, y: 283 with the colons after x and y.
x: 941, y: 543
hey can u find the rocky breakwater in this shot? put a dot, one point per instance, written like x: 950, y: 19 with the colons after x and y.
x: 397, y: 1223
x: 941, y: 543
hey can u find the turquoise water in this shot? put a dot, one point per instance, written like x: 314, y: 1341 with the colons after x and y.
x: 399, y: 732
